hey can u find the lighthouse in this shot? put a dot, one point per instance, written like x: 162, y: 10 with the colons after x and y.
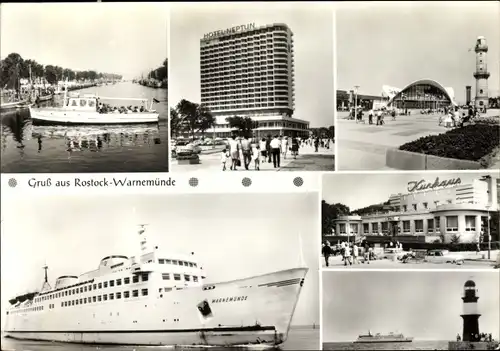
x: 470, y: 314
x: 481, y: 73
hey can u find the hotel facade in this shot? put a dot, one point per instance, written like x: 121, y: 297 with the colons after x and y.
x: 248, y: 71
x: 442, y: 210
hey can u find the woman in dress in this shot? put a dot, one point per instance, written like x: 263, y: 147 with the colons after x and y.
x: 295, y: 147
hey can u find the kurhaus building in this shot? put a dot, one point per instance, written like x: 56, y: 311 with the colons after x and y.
x: 442, y: 209
x: 248, y: 71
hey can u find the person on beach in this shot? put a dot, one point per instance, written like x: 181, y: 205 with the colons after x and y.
x: 256, y: 156
x: 326, y: 251
x: 224, y: 158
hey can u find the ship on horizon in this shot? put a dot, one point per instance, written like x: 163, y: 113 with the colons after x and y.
x: 156, y: 298
x: 382, y: 338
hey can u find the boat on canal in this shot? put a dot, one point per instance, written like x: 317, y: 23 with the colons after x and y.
x: 157, y: 298
x: 382, y: 338
x: 82, y: 109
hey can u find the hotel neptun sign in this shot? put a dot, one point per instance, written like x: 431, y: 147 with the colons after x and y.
x: 232, y: 30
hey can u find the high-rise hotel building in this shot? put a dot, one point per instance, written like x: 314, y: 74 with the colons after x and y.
x: 248, y: 71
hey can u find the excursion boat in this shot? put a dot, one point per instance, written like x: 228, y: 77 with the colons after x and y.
x: 157, y: 298
x: 87, y: 109
x: 382, y: 338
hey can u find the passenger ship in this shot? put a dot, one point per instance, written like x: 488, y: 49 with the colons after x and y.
x: 157, y: 299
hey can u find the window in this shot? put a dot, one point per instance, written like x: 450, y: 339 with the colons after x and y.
x: 144, y: 277
x: 187, y: 278
x: 126, y: 294
x: 342, y: 228
x: 135, y: 279
x: 94, y: 298
x: 470, y: 223
x: 126, y: 281
x: 375, y: 227
x: 81, y: 301
x: 90, y: 287
x: 190, y: 264
x: 168, y: 261
x: 181, y: 263
x: 83, y: 103
x: 76, y: 302
x: 105, y: 284
x: 72, y: 302
x: 195, y: 279
x: 406, y: 226
x: 118, y: 295
x: 385, y: 227
x: 366, y: 228
x: 135, y: 293
x: 414, y: 207
x: 353, y: 228
x: 419, y: 226
x: 111, y: 283
x: 174, y: 262
x: 111, y: 296
x: 449, y: 201
x: 99, y: 298
x: 73, y: 292
x: 430, y: 225
x: 177, y: 276
x: 95, y: 286
x: 100, y: 285
x: 144, y: 292
x: 436, y: 203
x: 405, y: 208
x: 451, y: 223
x: 161, y: 261
x: 165, y: 276
x: 81, y: 290
x: 105, y: 297
x: 85, y: 289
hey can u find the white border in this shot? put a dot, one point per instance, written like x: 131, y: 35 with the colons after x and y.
x: 169, y: 136
x: 335, y: 115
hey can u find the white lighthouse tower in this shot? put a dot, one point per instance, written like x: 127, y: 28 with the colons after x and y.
x: 481, y: 73
x: 471, y: 313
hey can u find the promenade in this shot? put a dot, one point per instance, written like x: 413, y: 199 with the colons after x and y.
x: 363, y: 146
x: 307, y: 160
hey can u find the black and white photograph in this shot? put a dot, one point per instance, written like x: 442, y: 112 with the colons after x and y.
x: 411, y: 220
x: 84, y: 87
x: 411, y: 310
x: 418, y: 85
x: 252, y: 87
x: 135, y: 271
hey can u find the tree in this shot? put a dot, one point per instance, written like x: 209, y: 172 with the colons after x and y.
x: 51, y: 74
x: 12, y: 67
x: 194, y: 117
x: 330, y: 213
x: 175, y: 123
x: 244, y: 125
x: 331, y: 132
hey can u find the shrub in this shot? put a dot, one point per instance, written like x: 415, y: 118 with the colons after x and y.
x: 470, y: 142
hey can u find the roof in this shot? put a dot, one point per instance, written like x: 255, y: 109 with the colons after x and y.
x: 449, y: 92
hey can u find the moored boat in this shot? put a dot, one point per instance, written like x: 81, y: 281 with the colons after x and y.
x: 88, y: 109
x: 158, y: 298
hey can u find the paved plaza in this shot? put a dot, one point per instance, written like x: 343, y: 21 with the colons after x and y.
x: 363, y: 146
x: 307, y: 160
x: 472, y: 261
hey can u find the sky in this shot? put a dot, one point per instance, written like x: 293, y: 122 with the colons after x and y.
x: 313, y: 28
x: 423, y: 305
x: 232, y: 236
x: 396, y: 43
x: 345, y: 189
x: 121, y: 38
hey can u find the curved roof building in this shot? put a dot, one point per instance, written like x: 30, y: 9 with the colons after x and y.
x: 423, y: 94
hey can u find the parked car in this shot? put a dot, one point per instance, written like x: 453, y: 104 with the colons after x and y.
x: 391, y: 252
x: 187, y: 147
x: 443, y: 256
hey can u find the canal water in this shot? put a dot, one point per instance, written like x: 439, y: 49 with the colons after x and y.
x: 26, y: 148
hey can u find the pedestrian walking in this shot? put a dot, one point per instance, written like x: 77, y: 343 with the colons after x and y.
x: 263, y: 149
x: 327, y: 252
x: 234, y: 149
x: 224, y: 158
x: 246, y: 149
x: 347, y: 256
x: 256, y: 156
x: 355, y: 253
x: 284, y: 146
x: 276, y: 151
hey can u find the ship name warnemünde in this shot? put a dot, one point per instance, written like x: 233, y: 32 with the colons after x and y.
x: 423, y: 185
x: 232, y: 30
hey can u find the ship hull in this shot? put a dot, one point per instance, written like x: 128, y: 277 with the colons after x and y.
x: 383, y: 341
x: 255, y: 310
x: 61, y: 117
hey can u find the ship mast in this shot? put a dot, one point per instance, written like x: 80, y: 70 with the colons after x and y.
x: 46, y: 286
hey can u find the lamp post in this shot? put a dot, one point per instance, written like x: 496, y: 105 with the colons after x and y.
x: 356, y: 87
x: 488, y: 179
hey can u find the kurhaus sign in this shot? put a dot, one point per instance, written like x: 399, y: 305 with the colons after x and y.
x: 423, y: 185
x: 232, y: 30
